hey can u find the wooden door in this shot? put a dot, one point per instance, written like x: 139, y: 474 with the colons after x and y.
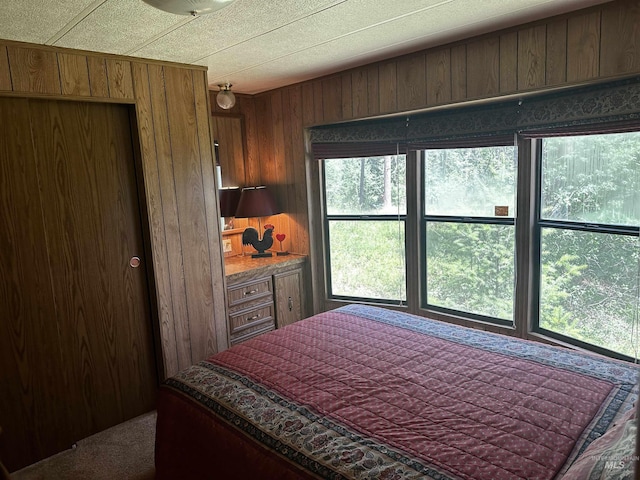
x: 289, y: 297
x: 77, y: 341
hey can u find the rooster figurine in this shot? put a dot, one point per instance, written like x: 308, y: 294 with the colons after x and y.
x: 250, y: 237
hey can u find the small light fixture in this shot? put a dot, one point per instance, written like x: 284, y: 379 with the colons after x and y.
x: 225, y: 98
x: 189, y: 7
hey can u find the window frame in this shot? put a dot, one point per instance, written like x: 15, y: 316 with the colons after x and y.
x: 425, y: 219
x: 327, y: 218
x: 536, y: 266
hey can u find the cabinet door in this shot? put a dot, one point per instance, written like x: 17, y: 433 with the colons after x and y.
x: 289, y: 297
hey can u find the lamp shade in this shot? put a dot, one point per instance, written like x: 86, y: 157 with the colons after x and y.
x: 256, y: 202
x: 189, y: 7
x: 229, y: 198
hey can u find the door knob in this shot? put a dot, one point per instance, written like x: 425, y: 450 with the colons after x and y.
x: 134, y: 262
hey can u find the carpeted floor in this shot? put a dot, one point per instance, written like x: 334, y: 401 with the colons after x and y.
x: 122, y: 452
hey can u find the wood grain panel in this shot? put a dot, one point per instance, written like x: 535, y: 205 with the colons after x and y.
x: 119, y: 78
x: 188, y: 182
x: 483, y: 67
x: 308, y: 100
x: 332, y: 99
x: 74, y: 74
x: 33, y: 410
x: 411, y: 82
x: 103, y: 317
x: 288, y: 170
x: 98, y: 77
x: 532, y: 57
x: 373, y: 95
x: 509, y: 62
x: 279, y: 176
x: 169, y: 204
x: 265, y: 136
x: 33, y: 70
x: 620, y: 51
x: 359, y: 94
x: 146, y: 137
x: 228, y: 132
x: 438, y: 77
x: 216, y: 339
x: 318, y: 108
x: 237, y: 139
x: 5, y: 74
x: 300, y: 212
x: 347, y: 101
x: 252, y: 155
x: 388, y: 81
x: 556, y: 62
x: 459, y: 73
x: 583, y: 47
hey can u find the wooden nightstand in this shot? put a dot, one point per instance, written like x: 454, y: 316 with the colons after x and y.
x: 264, y: 294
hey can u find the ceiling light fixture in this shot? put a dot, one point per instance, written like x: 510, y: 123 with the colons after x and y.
x: 225, y: 98
x: 189, y: 7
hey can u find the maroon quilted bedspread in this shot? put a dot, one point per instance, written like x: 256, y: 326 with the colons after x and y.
x: 367, y: 393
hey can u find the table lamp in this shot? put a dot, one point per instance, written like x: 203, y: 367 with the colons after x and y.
x: 257, y: 202
x: 229, y: 199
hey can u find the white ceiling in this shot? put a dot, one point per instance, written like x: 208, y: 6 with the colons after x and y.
x: 258, y: 45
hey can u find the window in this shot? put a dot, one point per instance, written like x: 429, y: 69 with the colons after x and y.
x: 365, y: 205
x: 541, y: 236
x: 469, y: 231
x: 589, y: 213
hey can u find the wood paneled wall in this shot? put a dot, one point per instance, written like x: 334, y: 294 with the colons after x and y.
x: 175, y: 148
x: 590, y: 45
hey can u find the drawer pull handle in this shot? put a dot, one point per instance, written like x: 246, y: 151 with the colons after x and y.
x: 251, y: 292
x: 290, y: 304
x: 255, y: 317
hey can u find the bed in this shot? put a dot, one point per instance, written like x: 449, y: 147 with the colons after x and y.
x: 367, y: 393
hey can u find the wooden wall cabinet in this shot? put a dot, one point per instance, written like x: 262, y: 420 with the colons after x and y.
x: 264, y: 294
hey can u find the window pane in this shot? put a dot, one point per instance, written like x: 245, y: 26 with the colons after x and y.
x: 470, y: 267
x: 592, y: 178
x: 470, y: 181
x: 367, y: 259
x: 589, y: 287
x: 366, y: 186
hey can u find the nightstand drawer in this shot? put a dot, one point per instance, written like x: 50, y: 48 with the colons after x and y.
x: 248, y: 292
x: 251, y: 333
x: 246, y: 321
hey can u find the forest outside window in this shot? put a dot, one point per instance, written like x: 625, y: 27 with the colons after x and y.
x: 589, y: 214
x: 469, y: 231
x: 365, y: 205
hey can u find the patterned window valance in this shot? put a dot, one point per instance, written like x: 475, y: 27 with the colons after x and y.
x: 612, y: 106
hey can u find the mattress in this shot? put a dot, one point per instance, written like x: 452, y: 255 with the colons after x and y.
x: 363, y: 392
